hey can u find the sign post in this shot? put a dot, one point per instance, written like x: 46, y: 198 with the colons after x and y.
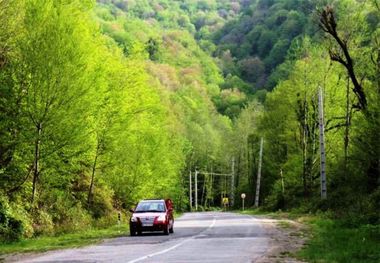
x: 190, y: 193
x: 242, y: 199
x: 196, y: 189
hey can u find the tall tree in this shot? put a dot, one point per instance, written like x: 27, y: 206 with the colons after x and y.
x: 56, y: 73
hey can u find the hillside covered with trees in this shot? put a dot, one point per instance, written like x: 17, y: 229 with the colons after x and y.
x: 105, y: 103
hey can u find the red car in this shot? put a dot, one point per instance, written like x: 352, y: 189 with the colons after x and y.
x: 152, y: 215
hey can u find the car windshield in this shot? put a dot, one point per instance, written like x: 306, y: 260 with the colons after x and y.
x: 150, y: 206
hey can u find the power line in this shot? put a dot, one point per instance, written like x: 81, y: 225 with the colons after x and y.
x: 201, y: 172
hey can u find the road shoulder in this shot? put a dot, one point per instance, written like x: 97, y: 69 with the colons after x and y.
x: 287, y: 237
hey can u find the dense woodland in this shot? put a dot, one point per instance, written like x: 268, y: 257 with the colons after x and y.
x: 104, y: 103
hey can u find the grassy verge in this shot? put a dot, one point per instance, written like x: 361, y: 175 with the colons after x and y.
x: 77, y: 239
x: 333, y: 242
x: 65, y: 240
x: 274, y: 215
x: 177, y: 214
x: 256, y: 212
x: 330, y: 240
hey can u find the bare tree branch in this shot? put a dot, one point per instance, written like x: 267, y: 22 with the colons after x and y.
x: 328, y: 24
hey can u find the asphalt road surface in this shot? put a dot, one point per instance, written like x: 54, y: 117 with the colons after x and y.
x: 198, y: 237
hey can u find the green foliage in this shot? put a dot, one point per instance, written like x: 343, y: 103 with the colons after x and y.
x: 187, y: 78
x: 11, y: 228
x: 266, y: 33
x: 334, y: 242
x: 290, y: 124
x: 230, y: 102
x: 92, y: 125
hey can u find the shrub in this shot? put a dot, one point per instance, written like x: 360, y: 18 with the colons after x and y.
x: 110, y: 220
x: 11, y: 229
x: 102, y: 202
x: 76, y: 218
x: 42, y: 223
x: 15, y: 229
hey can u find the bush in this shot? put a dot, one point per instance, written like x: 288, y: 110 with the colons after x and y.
x: 15, y: 229
x: 110, y: 220
x: 42, y: 223
x: 102, y: 202
x: 11, y: 229
x: 76, y: 218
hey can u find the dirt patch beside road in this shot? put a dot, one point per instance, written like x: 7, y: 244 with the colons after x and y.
x: 287, y: 237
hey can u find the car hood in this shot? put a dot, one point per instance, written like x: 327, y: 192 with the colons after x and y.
x: 148, y: 214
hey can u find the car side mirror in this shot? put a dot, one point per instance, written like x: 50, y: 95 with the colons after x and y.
x: 131, y: 210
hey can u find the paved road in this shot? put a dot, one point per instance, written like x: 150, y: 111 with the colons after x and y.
x: 198, y: 237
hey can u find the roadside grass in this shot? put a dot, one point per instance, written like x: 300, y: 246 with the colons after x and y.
x: 68, y: 240
x: 284, y: 224
x: 177, y: 214
x: 273, y: 215
x: 76, y: 239
x: 331, y: 241
x: 251, y: 211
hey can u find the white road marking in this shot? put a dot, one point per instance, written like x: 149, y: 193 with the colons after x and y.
x: 173, y: 247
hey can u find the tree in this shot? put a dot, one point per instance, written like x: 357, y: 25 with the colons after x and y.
x: 55, y: 74
x: 341, y: 54
x: 152, y: 47
x: 11, y: 175
x: 251, y: 69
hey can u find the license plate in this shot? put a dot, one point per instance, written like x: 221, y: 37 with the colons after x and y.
x: 147, y: 224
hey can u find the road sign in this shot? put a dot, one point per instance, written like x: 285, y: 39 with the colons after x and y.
x: 242, y: 198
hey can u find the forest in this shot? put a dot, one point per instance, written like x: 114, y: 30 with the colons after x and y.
x: 108, y: 102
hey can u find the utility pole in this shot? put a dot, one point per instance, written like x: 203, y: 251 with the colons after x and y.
x: 259, y: 173
x: 190, y: 193
x: 232, y: 183
x: 196, y: 189
x: 322, y: 144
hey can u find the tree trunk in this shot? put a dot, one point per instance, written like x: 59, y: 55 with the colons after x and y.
x: 238, y: 170
x: 304, y: 141
x: 93, y: 175
x: 257, y: 196
x: 347, y: 127
x: 203, y: 202
x: 36, y: 161
x: 304, y: 156
x: 322, y: 145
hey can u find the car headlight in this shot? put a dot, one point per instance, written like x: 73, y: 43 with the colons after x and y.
x: 134, y: 219
x: 161, y: 218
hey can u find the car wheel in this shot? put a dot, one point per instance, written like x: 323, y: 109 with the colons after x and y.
x: 166, y: 230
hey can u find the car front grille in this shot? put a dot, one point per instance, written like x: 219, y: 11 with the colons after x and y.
x: 147, y: 220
